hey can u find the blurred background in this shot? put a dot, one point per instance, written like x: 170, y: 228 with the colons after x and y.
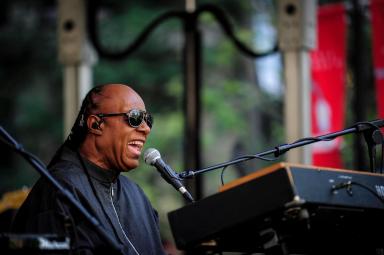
x: 241, y: 104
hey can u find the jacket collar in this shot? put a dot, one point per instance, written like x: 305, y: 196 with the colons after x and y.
x: 96, y: 172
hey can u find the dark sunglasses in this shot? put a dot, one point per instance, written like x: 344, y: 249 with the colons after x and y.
x: 134, y: 117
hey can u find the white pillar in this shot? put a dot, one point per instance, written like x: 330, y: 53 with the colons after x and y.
x: 297, y: 105
x: 77, y: 56
x: 77, y: 81
x: 190, y: 5
x: 297, y: 36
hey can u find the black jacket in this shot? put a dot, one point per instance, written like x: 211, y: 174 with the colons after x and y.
x: 120, y: 206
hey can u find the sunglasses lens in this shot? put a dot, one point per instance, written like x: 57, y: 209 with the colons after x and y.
x: 135, y: 117
x: 149, y: 120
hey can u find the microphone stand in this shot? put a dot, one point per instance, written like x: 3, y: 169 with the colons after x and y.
x: 369, y: 129
x: 39, y: 166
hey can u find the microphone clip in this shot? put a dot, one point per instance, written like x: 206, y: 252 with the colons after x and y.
x: 188, y: 174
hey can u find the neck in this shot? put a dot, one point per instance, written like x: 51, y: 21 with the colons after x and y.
x: 89, y: 151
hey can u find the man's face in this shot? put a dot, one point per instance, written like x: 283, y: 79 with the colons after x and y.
x: 120, y: 145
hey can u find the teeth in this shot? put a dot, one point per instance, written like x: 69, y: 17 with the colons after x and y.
x: 137, y: 143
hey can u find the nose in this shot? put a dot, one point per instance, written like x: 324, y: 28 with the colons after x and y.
x: 144, y: 128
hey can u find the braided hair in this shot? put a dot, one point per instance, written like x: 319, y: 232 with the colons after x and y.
x: 79, y: 129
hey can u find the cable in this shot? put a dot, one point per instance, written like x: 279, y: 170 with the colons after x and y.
x: 372, y: 142
x: 281, y: 149
x: 316, y: 139
x: 86, y: 171
x: 244, y: 157
x: 222, y: 175
x: 319, y: 139
x: 348, y: 185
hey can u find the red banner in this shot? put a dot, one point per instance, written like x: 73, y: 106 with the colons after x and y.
x: 328, y: 84
x: 377, y: 13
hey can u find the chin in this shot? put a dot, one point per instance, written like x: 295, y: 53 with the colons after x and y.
x: 129, y: 163
x: 130, y: 166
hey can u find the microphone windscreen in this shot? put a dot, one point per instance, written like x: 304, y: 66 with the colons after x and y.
x: 151, y: 155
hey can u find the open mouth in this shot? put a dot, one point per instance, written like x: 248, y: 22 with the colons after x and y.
x: 135, y: 147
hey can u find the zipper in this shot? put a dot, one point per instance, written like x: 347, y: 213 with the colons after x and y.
x: 118, y: 220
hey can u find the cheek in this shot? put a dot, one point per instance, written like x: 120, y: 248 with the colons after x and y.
x: 115, y: 144
x: 128, y: 154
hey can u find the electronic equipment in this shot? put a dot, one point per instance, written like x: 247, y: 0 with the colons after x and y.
x: 288, y: 207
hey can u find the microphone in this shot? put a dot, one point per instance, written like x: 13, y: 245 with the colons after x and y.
x: 152, y: 157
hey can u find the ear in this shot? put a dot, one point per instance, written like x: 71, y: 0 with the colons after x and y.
x: 94, y: 124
